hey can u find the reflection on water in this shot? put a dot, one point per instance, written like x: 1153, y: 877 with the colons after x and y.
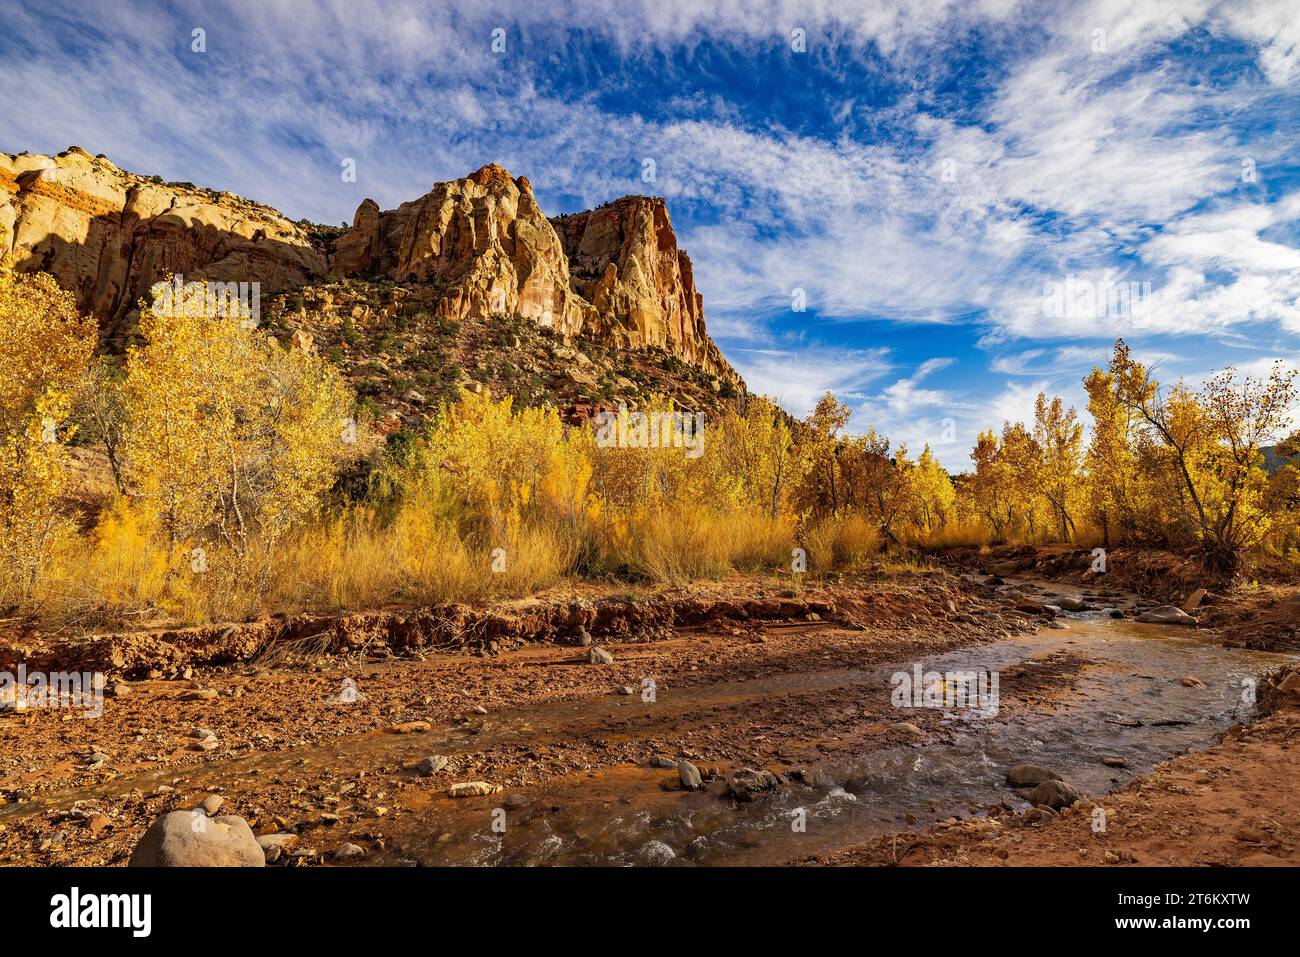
x: 1131, y: 706
x: 1128, y: 704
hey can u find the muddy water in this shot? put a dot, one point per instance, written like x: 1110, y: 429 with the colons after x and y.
x: 1128, y: 702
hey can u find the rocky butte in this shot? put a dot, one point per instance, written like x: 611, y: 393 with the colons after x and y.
x: 481, y: 244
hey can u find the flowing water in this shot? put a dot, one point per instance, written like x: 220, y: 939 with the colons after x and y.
x: 1128, y: 702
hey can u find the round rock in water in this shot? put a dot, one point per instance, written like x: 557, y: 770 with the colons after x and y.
x: 1030, y: 775
x: 1054, y: 794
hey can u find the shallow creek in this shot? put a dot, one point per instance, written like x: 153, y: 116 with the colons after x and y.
x: 1128, y: 703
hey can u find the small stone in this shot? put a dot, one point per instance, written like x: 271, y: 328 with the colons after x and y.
x: 1191, y: 682
x: 746, y: 784
x: 49, y: 840
x: 1055, y: 795
x: 1030, y: 775
x: 432, y: 765
x: 207, y: 744
x: 1114, y: 762
x: 212, y: 804
x: 906, y: 729
x: 472, y: 789
x: 662, y: 761
x: 349, y: 852
x: 599, y: 656
x: 690, y: 776
x: 1166, y: 615
x: 283, y: 840
x: 656, y: 854
x: 203, y: 694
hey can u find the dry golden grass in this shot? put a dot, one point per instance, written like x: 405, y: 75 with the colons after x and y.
x: 123, y: 572
x: 678, y: 545
x: 841, y: 543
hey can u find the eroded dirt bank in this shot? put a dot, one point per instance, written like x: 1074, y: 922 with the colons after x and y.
x: 316, y: 734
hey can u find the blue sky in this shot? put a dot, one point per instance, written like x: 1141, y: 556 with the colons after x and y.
x: 920, y: 172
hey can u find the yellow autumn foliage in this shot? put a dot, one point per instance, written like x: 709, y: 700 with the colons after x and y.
x: 226, y: 449
x: 46, y: 348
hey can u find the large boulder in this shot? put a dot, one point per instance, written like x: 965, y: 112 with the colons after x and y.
x: 192, y: 839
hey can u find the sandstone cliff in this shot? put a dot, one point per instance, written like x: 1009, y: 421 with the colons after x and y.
x: 624, y: 260
x: 482, y: 239
x: 614, y: 273
x: 477, y: 247
x: 107, y: 235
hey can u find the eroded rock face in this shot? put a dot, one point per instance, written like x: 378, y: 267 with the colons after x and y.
x: 613, y: 273
x: 482, y: 238
x: 481, y: 243
x: 108, y: 235
x: 624, y: 260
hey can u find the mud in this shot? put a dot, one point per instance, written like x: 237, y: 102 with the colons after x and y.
x: 323, y: 741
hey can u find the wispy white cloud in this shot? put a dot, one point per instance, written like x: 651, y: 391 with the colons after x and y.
x: 798, y: 376
x: 1114, y: 162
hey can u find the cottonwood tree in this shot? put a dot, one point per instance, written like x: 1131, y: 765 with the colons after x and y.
x: 819, y: 446
x: 755, y: 453
x: 933, y: 499
x: 229, y: 434
x: 877, y: 483
x: 1110, y: 464
x: 1210, y: 444
x: 1058, y: 448
x: 46, y: 347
